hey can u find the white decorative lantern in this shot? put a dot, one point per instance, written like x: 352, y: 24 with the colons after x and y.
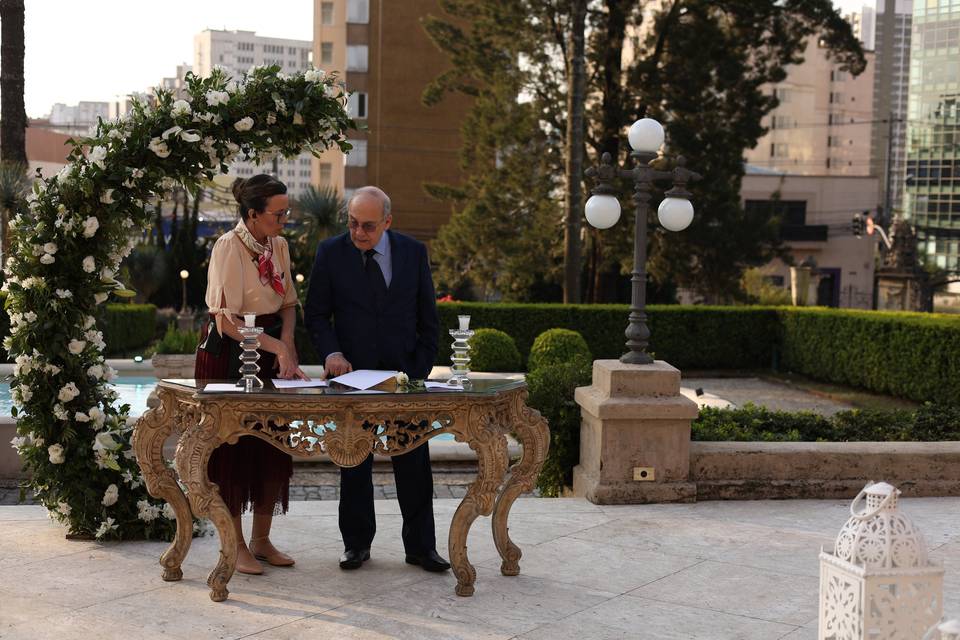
x: 602, y: 211
x: 675, y: 214
x: 879, y: 583
x: 645, y: 135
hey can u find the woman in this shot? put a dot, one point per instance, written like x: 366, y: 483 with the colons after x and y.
x: 250, y: 273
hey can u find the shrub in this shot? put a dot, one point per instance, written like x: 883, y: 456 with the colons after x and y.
x: 493, y: 350
x: 127, y: 327
x: 556, y: 346
x: 551, y: 390
x: 177, y: 341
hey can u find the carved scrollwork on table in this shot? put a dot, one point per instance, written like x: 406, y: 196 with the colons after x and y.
x: 348, y: 429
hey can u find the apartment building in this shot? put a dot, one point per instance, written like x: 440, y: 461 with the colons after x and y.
x: 386, y: 59
x: 237, y: 51
x: 823, y: 122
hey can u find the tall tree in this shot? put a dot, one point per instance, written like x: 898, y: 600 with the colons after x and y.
x: 573, y: 151
x: 13, y: 125
x: 700, y: 67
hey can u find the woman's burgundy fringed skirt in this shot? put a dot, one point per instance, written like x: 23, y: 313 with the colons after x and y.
x: 251, y: 472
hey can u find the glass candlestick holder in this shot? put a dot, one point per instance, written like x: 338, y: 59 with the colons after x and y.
x: 461, y: 354
x: 249, y: 357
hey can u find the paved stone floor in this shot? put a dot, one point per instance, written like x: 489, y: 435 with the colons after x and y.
x: 704, y: 571
x: 766, y: 393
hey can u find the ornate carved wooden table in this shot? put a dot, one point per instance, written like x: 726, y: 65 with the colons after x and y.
x: 347, y: 426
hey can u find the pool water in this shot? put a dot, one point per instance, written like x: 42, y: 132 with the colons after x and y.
x: 133, y: 390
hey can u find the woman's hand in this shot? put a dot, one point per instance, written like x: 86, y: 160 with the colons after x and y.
x: 287, y: 363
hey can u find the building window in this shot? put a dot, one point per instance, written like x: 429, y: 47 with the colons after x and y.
x: 779, y: 150
x: 357, y: 157
x: 357, y: 57
x: 358, y: 11
x: 326, y: 14
x: 326, y: 53
x: 326, y: 173
x: 790, y: 212
x: 357, y: 105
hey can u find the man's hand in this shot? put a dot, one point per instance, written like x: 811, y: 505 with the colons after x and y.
x: 336, y: 365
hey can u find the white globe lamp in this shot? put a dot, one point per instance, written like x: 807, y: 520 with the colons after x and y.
x: 602, y: 211
x: 645, y: 135
x: 675, y: 214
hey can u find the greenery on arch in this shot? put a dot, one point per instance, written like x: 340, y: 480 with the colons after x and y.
x: 67, y: 248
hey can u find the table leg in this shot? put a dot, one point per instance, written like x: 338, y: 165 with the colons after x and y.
x: 151, y: 430
x: 193, y: 453
x: 490, y: 445
x: 532, y: 430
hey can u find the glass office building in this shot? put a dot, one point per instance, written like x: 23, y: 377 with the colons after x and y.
x: 932, y: 194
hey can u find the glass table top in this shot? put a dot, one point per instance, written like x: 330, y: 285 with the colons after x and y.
x: 485, y: 386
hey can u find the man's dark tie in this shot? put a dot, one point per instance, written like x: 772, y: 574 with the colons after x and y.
x: 374, y: 274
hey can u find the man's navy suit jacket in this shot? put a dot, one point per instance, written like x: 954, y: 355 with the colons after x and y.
x: 342, y: 314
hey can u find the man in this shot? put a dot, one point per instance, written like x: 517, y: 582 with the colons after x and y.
x: 371, y: 305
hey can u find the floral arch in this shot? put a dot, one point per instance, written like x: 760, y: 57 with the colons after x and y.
x: 67, y: 248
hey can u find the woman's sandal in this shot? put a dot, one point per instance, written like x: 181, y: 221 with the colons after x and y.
x: 253, y: 569
x: 276, y: 559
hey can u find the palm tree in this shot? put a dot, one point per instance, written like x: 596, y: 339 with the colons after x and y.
x: 320, y: 213
x: 13, y: 126
x: 14, y: 185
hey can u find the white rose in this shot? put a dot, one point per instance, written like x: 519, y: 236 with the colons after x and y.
x: 95, y: 371
x: 107, y: 196
x: 64, y: 508
x: 244, y: 124
x: 297, y: 118
x: 180, y: 108
x: 97, y: 415
x: 231, y: 87
x: 159, y: 147
x: 67, y: 393
x: 47, y: 259
x: 100, y: 298
x: 50, y: 247
x: 97, y: 156
x: 90, y: 226
x: 168, y: 512
x: 110, y: 496
x: 314, y: 75
x: 76, y: 347
x: 88, y: 322
x: 64, y: 293
x: 60, y: 413
x: 55, y: 452
x: 80, y: 416
x: 89, y: 265
x: 215, y: 98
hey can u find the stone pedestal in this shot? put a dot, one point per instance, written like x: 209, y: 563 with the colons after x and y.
x: 634, y: 420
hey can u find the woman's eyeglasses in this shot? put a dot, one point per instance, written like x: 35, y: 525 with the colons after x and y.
x: 285, y: 213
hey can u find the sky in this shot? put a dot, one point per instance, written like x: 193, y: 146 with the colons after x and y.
x: 95, y: 50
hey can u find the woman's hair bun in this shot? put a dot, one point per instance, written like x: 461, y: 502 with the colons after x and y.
x: 237, y: 187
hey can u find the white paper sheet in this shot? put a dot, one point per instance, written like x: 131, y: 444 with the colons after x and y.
x: 298, y: 384
x: 364, y: 378
x: 220, y: 387
x: 364, y: 391
x: 441, y: 386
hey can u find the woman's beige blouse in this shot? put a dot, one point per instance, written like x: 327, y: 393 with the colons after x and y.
x: 233, y: 280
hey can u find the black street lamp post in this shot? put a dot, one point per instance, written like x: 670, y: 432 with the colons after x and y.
x: 675, y: 214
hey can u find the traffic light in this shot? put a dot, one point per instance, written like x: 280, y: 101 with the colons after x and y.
x: 858, y: 225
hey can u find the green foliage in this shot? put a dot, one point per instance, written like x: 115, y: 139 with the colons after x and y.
x: 758, y: 290
x: 321, y: 214
x: 127, y: 327
x: 493, y: 350
x: 557, y: 345
x: 551, y: 393
x: 177, y: 341
x: 68, y: 247
x: 929, y: 423
x: 910, y: 355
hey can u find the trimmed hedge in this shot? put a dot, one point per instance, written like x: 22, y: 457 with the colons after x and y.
x: 928, y: 423
x: 558, y: 345
x: 127, y: 327
x: 911, y: 355
x: 493, y: 350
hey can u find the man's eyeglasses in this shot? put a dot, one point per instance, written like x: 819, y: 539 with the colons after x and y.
x: 368, y: 227
x: 284, y: 213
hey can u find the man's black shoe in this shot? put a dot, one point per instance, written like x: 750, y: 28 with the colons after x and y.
x: 431, y: 561
x: 353, y: 558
